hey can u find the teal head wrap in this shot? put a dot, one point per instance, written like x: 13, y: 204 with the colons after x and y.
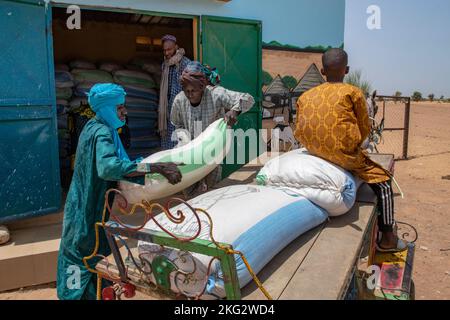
x: 104, y: 99
x: 212, y: 75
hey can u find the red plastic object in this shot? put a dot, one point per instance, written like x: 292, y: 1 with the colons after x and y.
x: 108, y: 293
x: 392, y: 276
x: 129, y: 290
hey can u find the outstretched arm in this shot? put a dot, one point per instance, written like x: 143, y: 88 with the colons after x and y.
x: 234, y: 103
x: 111, y: 168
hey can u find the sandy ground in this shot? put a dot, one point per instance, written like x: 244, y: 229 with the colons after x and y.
x: 425, y: 182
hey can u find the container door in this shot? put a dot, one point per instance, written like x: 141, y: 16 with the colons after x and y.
x: 29, y: 168
x: 234, y: 46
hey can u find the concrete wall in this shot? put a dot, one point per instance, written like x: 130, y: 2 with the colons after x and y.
x: 289, y: 63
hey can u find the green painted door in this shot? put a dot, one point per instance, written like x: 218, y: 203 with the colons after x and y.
x: 234, y: 46
x: 29, y: 172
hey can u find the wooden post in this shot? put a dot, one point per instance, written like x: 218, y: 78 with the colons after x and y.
x: 195, y: 35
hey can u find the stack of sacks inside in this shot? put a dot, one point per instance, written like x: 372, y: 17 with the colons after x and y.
x: 64, y: 84
x: 75, y: 80
x: 142, y: 88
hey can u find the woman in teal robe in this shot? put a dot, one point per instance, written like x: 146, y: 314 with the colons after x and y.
x: 100, y: 162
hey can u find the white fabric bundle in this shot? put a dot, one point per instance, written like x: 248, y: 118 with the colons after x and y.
x: 318, y: 180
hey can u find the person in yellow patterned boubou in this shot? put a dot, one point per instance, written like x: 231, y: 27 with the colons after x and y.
x: 332, y: 123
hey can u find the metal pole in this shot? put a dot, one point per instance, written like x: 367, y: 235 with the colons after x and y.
x: 117, y: 256
x: 406, y: 132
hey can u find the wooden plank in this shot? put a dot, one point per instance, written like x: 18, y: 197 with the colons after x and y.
x: 195, y: 37
x: 246, y: 175
x: 327, y: 268
x: 366, y: 194
x: 278, y: 272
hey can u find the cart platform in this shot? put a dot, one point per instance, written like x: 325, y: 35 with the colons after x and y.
x: 320, y: 264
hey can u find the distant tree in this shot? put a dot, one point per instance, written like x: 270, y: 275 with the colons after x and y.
x: 431, y: 97
x: 355, y: 78
x: 417, y: 96
x: 442, y: 99
x: 267, y: 78
x: 289, y: 81
x: 397, y: 96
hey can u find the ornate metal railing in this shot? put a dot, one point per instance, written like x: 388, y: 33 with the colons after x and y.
x: 137, y: 271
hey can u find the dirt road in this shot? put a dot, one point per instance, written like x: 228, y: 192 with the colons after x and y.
x: 425, y: 181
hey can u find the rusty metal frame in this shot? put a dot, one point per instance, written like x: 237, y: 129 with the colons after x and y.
x: 116, y: 229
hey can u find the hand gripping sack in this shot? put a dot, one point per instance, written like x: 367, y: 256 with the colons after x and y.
x: 200, y: 157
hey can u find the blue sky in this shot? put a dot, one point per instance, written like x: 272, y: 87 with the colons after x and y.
x: 410, y: 52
